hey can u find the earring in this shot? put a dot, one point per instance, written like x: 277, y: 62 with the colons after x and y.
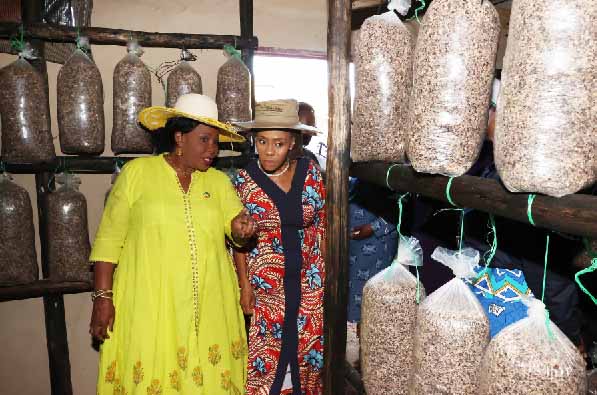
x: 178, y: 151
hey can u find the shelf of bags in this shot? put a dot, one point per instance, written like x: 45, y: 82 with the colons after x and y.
x: 107, y: 36
x: 98, y: 165
x: 573, y: 214
x: 41, y: 288
x: 74, y: 164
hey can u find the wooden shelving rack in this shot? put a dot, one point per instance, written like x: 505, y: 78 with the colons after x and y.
x: 53, y: 292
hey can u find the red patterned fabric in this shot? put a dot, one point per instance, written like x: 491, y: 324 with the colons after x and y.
x: 266, y: 272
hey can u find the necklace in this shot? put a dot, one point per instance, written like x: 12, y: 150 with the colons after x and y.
x: 276, y: 174
x: 179, y: 169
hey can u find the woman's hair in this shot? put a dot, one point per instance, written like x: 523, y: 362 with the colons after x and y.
x: 163, y: 138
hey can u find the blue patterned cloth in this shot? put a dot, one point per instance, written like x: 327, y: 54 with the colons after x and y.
x: 499, y: 291
x: 369, y: 256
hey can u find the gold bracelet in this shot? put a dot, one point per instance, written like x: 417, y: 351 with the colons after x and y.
x: 101, y: 293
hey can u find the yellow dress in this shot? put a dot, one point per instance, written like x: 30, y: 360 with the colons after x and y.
x: 179, y: 328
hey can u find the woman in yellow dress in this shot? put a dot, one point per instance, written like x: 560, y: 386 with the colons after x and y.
x: 166, y: 299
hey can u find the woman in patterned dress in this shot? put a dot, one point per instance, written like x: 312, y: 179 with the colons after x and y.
x: 282, y: 275
x: 166, y: 297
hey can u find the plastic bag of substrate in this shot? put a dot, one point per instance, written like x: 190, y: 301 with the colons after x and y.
x: 383, y: 72
x: 453, y: 72
x: 452, y: 331
x: 81, y: 104
x: 68, y: 234
x: 233, y: 94
x: 532, y: 356
x: 24, y: 112
x: 182, y: 79
x: 132, y: 93
x: 546, y: 134
x: 389, y: 311
x: 18, y: 260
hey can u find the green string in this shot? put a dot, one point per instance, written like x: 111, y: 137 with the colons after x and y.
x: 461, y: 230
x: 400, y: 208
x: 545, y: 267
x: 461, y: 223
x: 493, y: 244
x: 79, y: 46
x: 547, y: 322
x: 529, y: 209
x: 448, y: 196
x: 532, y: 222
x: 593, y: 255
x: 60, y: 168
x: 421, y: 7
x: 119, y: 162
x: 490, y: 254
x: 401, y: 237
x: 589, y: 269
x: 18, y: 44
x: 388, y: 175
x: 232, y: 51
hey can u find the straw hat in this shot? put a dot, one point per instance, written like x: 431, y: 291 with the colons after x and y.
x: 193, y: 106
x: 278, y: 114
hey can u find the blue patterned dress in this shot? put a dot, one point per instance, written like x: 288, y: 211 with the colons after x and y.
x: 369, y: 256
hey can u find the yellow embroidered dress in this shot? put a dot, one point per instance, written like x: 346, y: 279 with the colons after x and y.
x: 179, y: 328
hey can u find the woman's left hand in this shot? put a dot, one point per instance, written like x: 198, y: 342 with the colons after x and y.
x: 361, y: 232
x: 243, y: 226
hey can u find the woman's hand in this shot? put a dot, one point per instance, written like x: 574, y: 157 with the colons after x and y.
x: 243, y: 226
x: 247, y: 299
x: 361, y: 232
x: 102, y: 318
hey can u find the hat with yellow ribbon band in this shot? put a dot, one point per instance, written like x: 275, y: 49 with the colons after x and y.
x: 194, y: 106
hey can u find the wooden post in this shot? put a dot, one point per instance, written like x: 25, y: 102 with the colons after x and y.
x: 56, y: 336
x: 338, y: 161
x: 246, y: 29
x: 246, y: 32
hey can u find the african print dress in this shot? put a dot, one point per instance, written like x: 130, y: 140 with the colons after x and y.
x: 287, y: 272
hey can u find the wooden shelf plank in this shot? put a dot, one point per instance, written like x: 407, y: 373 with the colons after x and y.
x: 107, y: 36
x: 42, y: 288
x: 572, y: 214
x: 97, y: 165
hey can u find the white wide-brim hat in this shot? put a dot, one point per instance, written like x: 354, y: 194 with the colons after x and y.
x: 278, y: 114
x: 194, y: 106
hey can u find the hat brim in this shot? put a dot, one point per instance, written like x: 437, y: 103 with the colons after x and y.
x: 301, y: 127
x: 156, y: 117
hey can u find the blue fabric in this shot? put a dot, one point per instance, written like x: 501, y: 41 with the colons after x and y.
x: 369, y: 256
x: 499, y: 291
